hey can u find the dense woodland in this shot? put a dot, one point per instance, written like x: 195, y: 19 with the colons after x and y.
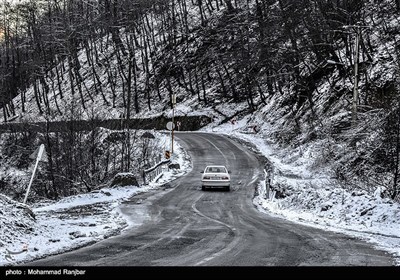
x: 245, y: 50
x: 242, y: 45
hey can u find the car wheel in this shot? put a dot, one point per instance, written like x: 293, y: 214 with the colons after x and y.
x: 228, y: 188
x: 203, y: 188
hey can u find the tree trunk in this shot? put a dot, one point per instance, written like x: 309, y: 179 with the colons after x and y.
x: 50, y: 159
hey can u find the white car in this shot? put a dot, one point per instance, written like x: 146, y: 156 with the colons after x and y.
x: 216, y: 176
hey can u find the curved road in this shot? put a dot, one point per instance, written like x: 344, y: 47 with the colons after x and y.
x: 185, y: 226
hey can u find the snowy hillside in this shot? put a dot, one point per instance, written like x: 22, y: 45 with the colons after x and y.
x: 101, y: 91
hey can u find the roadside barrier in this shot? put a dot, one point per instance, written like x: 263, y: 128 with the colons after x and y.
x: 153, y: 172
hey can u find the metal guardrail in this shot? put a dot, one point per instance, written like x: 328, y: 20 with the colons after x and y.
x: 153, y: 172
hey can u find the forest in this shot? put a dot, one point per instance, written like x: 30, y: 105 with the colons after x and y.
x: 312, y: 59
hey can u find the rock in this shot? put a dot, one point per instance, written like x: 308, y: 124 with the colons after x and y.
x: 77, y: 234
x: 27, y: 210
x: 280, y: 191
x: 124, y: 179
x: 148, y: 135
x: 366, y: 211
x: 326, y: 207
x: 167, y: 186
x: 18, y: 224
x: 174, y: 166
x: 106, y: 193
x: 54, y: 240
x: 357, y: 193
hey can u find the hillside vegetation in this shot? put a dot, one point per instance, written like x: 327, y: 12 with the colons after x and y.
x: 290, y: 64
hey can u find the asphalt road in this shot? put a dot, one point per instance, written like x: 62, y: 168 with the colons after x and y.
x: 184, y: 226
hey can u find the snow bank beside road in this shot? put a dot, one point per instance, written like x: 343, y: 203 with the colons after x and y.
x: 318, y: 203
x: 70, y: 223
x: 309, y: 196
x: 15, y: 221
x: 73, y: 221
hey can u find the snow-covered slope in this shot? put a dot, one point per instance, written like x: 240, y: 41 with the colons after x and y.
x: 47, y: 228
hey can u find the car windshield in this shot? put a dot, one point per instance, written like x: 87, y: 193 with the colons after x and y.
x: 215, y: 169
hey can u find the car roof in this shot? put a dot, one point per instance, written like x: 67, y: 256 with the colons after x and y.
x: 215, y: 166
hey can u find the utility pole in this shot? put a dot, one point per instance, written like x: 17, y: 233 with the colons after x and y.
x: 355, y: 89
x: 357, y: 29
x: 173, y: 123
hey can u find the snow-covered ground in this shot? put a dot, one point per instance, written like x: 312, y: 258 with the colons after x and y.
x: 72, y: 222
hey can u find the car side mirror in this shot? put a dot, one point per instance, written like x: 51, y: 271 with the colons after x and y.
x: 201, y: 171
x: 229, y: 171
